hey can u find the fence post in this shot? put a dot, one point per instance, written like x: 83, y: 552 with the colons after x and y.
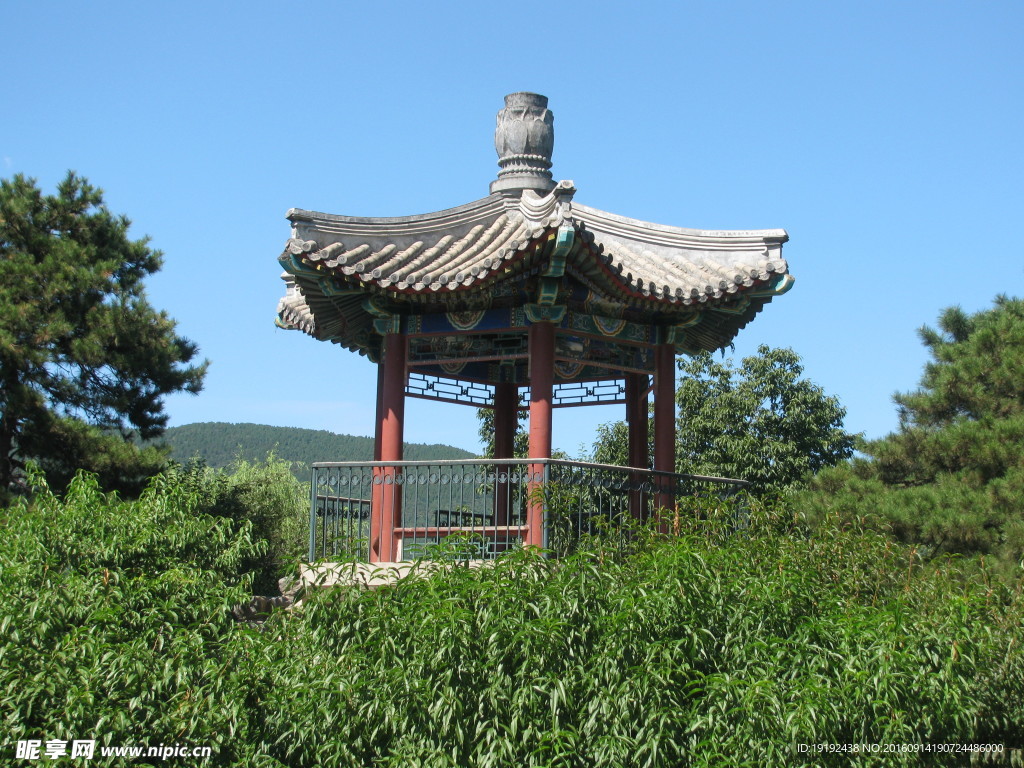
x: 546, y: 513
x: 312, y: 516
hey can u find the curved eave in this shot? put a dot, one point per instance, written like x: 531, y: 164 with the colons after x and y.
x: 676, y: 237
x: 666, y: 274
x: 308, y: 223
x: 338, y: 319
x: 634, y: 277
x: 474, y: 244
x: 654, y: 262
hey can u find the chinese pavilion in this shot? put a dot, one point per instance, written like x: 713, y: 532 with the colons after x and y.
x: 525, y: 293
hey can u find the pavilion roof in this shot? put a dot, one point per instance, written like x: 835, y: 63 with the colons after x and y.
x: 449, y: 260
x: 526, y: 252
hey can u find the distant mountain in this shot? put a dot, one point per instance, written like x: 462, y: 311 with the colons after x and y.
x: 219, y: 444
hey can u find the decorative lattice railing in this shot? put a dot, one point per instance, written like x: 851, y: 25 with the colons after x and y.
x: 479, y: 508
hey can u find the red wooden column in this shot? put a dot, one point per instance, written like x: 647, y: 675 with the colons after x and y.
x: 665, y: 417
x: 375, y: 489
x: 636, y: 420
x: 542, y: 375
x: 386, y: 504
x: 506, y: 418
x: 380, y: 409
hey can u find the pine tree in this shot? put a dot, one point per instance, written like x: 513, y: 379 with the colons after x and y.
x: 952, y: 477
x: 85, y: 360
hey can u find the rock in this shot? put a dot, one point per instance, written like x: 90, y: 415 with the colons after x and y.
x: 256, y: 611
x: 290, y: 587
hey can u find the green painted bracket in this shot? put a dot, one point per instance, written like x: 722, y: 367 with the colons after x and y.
x: 332, y: 287
x: 293, y: 265
x: 544, y: 313
x: 695, y: 317
x: 551, y: 277
x: 676, y: 334
x: 389, y: 324
x: 385, y: 321
x: 738, y: 307
x: 777, y: 286
x: 564, y: 240
x: 371, y: 306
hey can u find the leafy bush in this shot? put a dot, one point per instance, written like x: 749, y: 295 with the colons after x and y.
x: 115, y: 623
x: 712, y: 648
x: 268, y: 497
x: 715, y: 647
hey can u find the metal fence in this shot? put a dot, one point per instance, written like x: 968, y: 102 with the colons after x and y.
x: 478, y: 508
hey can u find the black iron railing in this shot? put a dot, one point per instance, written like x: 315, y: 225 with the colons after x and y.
x: 479, y: 508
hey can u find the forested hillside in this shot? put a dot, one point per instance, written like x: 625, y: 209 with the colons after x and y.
x: 219, y: 444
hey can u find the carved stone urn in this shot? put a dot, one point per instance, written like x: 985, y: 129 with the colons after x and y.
x: 524, y: 139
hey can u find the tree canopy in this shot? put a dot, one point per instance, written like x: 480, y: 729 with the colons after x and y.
x: 85, y: 360
x: 952, y: 477
x: 761, y: 421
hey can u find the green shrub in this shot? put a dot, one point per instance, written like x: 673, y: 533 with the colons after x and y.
x: 114, y: 619
x: 713, y: 647
x: 267, y: 496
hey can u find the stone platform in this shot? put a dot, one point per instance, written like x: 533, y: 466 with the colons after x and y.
x: 371, y: 575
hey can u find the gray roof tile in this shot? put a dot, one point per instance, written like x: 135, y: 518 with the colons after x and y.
x: 657, y: 269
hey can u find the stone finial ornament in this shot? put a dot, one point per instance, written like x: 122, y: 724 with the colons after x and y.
x: 524, y: 139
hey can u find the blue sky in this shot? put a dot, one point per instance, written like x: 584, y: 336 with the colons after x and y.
x: 884, y: 137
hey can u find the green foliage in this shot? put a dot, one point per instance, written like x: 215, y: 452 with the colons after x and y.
x: 119, y: 464
x: 612, y: 443
x: 761, y: 421
x: 710, y: 648
x: 85, y: 361
x: 521, y: 439
x: 952, y: 478
x: 263, y: 495
x: 114, y: 620
x: 219, y: 445
x: 975, y: 370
